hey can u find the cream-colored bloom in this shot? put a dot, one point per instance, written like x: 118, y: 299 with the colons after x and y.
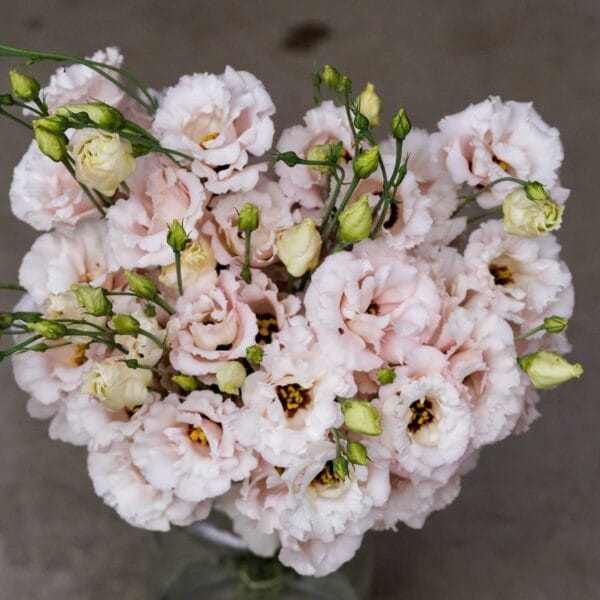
x: 299, y: 248
x: 230, y: 376
x: 116, y: 386
x: 530, y: 218
x: 546, y: 369
x: 196, y: 260
x: 369, y: 104
x: 102, y: 160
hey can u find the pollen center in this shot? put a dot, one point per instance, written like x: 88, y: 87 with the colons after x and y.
x: 421, y: 414
x: 79, y: 358
x: 502, y: 274
x: 503, y: 165
x: 293, y: 397
x: 372, y: 309
x: 207, y: 138
x: 326, y: 475
x: 267, y: 326
x: 196, y: 434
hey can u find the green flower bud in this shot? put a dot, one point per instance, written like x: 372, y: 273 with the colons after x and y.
x: 254, y: 354
x: 53, y: 145
x: 555, y: 324
x: 150, y: 310
x: 93, y: 300
x: 290, y: 158
x: 54, y: 123
x: 546, y: 369
x: 340, y: 467
x: 140, y: 285
x: 125, y: 325
x: 51, y: 330
x: 177, y: 238
x: 230, y: 376
x: 101, y: 114
x: 131, y: 363
x: 23, y: 87
x: 331, y: 76
x: 320, y: 153
x: 535, y: 191
x: 401, y: 125
x: 6, y: 320
x: 26, y: 317
x: 357, y: 453
x: 6, y: 100
x: 186, y: 382
x: 365, y: 164
x: 356, y: 221
x: 41, y: 347
x: 370, y: 104
x: 361, y: 122
x: 248, y: 219
x: 344, y: 85
x: 386, y: 375
x: 360, y: 416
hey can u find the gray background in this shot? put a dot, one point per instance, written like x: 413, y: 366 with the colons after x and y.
x: 526, y: 523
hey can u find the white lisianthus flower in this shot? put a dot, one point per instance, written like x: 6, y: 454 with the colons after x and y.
x: 115, y: 385
x: 299, y: 247
x: 61, y: 258
x: 530, y: 218
x: 160, y: 194
x: 102, y: 160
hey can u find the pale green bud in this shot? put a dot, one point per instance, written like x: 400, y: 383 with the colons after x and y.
x: 6, y: 100
x: 177, y: 237
x: 365, y: 164
x: 370, y: 104
x: 401, y: 125
x: 360, y: 416
x: 546, y: 369
x: 186, y: 382
x: 320, y: 153
x: 254, y: 354
x: 248, y: 219
x: 299, y: 247
x: 231, y: 376
x: 54, y: 123
x: 386, y: 375
x: 530, y: 218
x: 51, y: 330
x: 356, y: 221
x: 23, y: 87
x: 344, y: 85
x: 140, y: 285
x: 555, y: 324
x: 535, y: 191
x: 53, y: 145
x: 331, y: 76
x: 101, y: 114
x: 125, y: 325
x: 357, y: 453
x: 340, y: 467
x: 290, y: 158
x: 93, y: 300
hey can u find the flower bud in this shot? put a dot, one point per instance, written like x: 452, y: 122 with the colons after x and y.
x: 530, y: 218
x: 150, y: 310
x: 93, y: 300
x: 23, y: 87
x: 401, y: 125
x: 555, y: 324
x: 386, y: 375
x: 101, y: 114
x: 51, y: 330
x: 230, y: 376
x: 196, y: 260
x: 365, y: 164
x: 54, y: 123
x: 546, y: 369
x: 254, y: 354
x: 125, y: 325
x: 340, y: 467
x: 369, y: 104
x: 6, y: 100
x: 344, y: 85
x: 535, y: 191
x: 53, y: 145
x: 357, y: 453
x: 299, y: 247
x: 331, y: 76
x: 177, y: 237
x: 102, y: 160
x: 356, y: 221
x: 248, y: 219
x: 320, y: 153
x: 140, y: 285
x: 360, y: 416
x: 187, y: 383
x: 290, y: 158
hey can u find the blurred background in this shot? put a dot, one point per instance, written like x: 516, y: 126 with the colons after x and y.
x: 527, y: 523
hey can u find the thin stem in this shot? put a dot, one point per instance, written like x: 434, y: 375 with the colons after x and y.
x: 331, y: 203
x: 157, y: 300
x: 12, y: 286
x: 386, y: 197
x: 29, y: 107
x: 178, y: 271
x: 6, y: 353
x: 332, y: 227
x: 518, y: 338
x: 151, y: 336
x: 485, y: 188
x: 16, y: 119
x: 246, y: 274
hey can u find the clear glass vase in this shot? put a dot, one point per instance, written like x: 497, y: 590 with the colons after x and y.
x: 207, y: 561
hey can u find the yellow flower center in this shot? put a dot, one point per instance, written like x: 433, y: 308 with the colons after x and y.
x: 79, y: 358
x: 503, y: 165
x: 372, y: 309
x: 207, y: 138
x: 267, y: 326
x: 502, y: 274
x: 326, y: 475
x: 196, y: 434
x: 293, y: 397
x: 421, y: 414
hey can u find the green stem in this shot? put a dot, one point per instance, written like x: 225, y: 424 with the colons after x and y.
x: 518, y: 338
x: 12, y: 286
x: 386, y: 197
x: 331, y: 203
x: 151, y: 336
x: 178, y: 271
x: 15, y: 119
x: 246, y: 274
x: 332, y: 227
x: 157, y: 300
x: 29, y: 107
x: 485, y: 188
x: 6, y: 353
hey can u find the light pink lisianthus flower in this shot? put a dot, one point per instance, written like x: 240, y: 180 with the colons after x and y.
x: 160, y: 194
x: 519, y: 278
x: 327, y: 123
x: 59, y: 259
x: 122, y: 486
x: 212, y: 325
x: 44, y: 195
x: 189, y: 448
x: 219, y: 120
x: 493, y: 139
x: 371, y: 305
x: 228, y: 242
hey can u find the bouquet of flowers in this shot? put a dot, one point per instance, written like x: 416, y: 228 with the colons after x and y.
x: 316, y: 352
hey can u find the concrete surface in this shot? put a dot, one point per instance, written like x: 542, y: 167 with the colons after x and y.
x: 526, y: 526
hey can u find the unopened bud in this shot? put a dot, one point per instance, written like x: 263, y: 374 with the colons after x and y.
x: 365, y: 164
x: 140, y: 285
x: 248, y: 219
x: 535, y: 191
x: 177, y: 237
x: 357, y: 453
x: 299, y: 247
x: 546, y: 369
x: 401, y: 125
x: 23, y: 87
x: 340, y: 467
x: 230, y: 376
x: 528, y: 217
x: 369, y: 104
x: 51, y: 330
x: 344, y: 85
x: 53, y: 123
x: 331, y: 76
x: 93, y: 300
x: 187, y: 383
x: 290, y: 158
x: 254, y: 354
x: 100, y: 114
x: 6, y: 100
x: 53, y: 145
x: 319, y: 153
x: 125, y: 325
x: 386, y: 375
x: 360, y: 416
x: 555, y: 324
x: 356, y: 221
